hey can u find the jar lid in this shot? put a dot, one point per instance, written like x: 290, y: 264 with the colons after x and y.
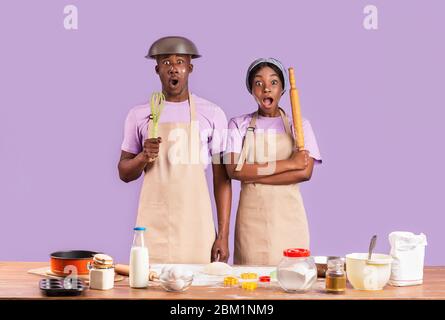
x: 296, y: 253
x: 335, y: 263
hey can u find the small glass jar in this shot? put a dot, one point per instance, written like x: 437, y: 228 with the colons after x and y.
x: 335, y: 277
x: 296, y: 271
x: 101, y: 277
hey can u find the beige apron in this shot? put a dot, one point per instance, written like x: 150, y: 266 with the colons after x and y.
x: 270, y: 218
x: 174, y: 202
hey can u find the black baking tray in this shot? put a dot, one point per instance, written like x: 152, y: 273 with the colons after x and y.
x: 52, y: 287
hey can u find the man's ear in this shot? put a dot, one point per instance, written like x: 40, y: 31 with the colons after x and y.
x: 190, y: 68
x: 157, y: 69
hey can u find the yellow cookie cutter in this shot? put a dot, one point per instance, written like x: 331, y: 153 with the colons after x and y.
x: 230, y: 281
x: 249, y: 275
x: 249, y: 286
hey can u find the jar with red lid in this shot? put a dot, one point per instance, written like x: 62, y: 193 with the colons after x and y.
x: 296, y: 271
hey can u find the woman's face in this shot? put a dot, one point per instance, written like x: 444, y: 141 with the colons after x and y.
x: 267, y: 89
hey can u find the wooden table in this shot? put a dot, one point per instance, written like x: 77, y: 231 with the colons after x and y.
x: 16, y: 284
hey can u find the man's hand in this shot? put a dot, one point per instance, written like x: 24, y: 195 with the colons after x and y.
x: 220, y: 250
x: 151, y: 149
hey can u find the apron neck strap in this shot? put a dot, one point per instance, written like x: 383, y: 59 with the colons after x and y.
x: 286, y: 122
x: 252, y: 123
x: 284, y: 117
x: 248, y: 138
x: 192, y: 108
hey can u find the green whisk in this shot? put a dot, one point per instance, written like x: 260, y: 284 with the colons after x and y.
x: 157, y: 105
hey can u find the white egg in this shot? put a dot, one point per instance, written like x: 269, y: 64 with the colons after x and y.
x: 177, y: 285
x: 165, y: 277
x: 187, y: 274
x: 176, y: 273
x: 166, y: 269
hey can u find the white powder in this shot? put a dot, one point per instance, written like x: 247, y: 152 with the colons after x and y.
x: 298, y: 278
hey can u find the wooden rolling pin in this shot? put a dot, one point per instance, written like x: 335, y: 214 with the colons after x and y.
x: 124, y: 270
x: 296, y: 111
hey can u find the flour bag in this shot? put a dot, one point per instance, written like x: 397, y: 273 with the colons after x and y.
x: 408, y: 252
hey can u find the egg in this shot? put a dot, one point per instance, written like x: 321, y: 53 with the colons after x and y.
x: 187, y: 274
x: 177, y: 285
x: 165, y: 277
x: 176, y: 273
x: 166, y: 269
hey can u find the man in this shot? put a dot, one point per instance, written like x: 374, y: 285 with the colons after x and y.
x: 174, y: 202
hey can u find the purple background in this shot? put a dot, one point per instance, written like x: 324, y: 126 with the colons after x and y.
x: 374, y: 98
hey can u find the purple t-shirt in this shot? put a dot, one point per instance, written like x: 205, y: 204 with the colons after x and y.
x: 211, y: 119
x: 238, y: 128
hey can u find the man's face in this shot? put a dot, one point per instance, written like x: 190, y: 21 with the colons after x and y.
x: 174, y: 70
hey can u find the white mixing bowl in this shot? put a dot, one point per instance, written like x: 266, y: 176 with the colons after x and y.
x: 364, y: 274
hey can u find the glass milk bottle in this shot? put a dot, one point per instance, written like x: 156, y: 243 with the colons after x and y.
x: 139, y: 264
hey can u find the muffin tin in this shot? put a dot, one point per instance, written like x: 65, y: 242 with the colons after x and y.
x: 55, y: 287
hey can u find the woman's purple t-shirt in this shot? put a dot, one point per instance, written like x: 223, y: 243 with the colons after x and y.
x: 238, y: 128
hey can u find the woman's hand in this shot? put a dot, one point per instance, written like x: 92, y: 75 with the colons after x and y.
x: 299, y: 160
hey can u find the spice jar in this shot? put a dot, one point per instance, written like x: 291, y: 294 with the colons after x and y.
x: 335, y: 277
x: 101, y: 272
x: 296, y: 271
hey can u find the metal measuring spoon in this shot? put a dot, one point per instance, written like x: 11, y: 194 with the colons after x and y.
x: 371, y: 246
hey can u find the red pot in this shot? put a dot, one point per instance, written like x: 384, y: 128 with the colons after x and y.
x: 76, y: 260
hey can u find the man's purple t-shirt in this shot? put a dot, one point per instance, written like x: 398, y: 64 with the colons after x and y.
x: 211, y: 119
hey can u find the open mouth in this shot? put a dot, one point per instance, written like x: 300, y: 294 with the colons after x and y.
x: 173, y: 82
x: 267, y: 101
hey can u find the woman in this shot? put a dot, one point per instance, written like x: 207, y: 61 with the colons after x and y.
x: 271, y: 215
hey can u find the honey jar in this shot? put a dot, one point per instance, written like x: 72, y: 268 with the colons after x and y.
x: 335, y: 277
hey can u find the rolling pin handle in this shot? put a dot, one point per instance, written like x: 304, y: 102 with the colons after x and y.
x: 292, y: 78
